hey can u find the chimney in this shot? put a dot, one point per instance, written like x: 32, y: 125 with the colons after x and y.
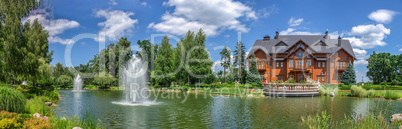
x: 266, y: 37
x: 339, y: 41
x: 326, y: 35
x: 277, y: 35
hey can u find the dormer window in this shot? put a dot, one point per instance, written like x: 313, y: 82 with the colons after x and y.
x: 291, y: 50
x: 281, y: 44
x: 299, y: 54
x: 321, y: 44
x: 300, y: 45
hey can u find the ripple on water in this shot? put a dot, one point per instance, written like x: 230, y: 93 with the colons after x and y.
x: 124, y: 103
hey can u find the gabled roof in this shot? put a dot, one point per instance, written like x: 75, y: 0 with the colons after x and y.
x: 310, y: 40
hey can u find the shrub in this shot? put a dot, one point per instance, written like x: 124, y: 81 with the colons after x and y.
x: 290, y: 80
x: 12, y: 100
x: 37, y: 123
x: 9, y: 123
x: 37, y: 105
x: 371, y: 93
x: 327, y: 89
x: 391, y: 95
x: 303, y: 81
x: 320, y: 121
x: 54, y: 95
x: 383, y: 83
x: 358, y: 91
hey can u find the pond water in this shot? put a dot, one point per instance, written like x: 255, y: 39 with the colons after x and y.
x: 205, y: 111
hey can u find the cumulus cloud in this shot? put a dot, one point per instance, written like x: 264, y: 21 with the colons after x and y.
x: 53, y: 26
x: 382, y: 16
x: 112, y: 2
x: 368, y: 36
x: 295, y: 22
x: 212, y: 16
x: 144, y: 3
x: 117, y: 24
x: 292, y: 31
x: 400, y: 50
x: 361, y: 56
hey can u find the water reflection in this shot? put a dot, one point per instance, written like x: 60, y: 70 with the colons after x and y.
x: 199, y: 111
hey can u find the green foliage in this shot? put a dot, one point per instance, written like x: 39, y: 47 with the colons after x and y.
x: 253, y: 76
x: 88, y: 122
x: 371, y: 93
x: 240, y: 62
x: 303, y: 81
x: 225, y: 60
x: 358, y: 91
x: 320, y: 121
x: 37, y: 123
x: 37, y: 105
x: 327, y: 89
x: 53, y: 95
x: 349, y: 76
x: 11, y: 100
x: 64, y: 80
x: 391, y: 95
x: 384, y: 67
x: 290, y: 80
x: 104, y: 80
x: 10, y: 120
x: 164, y: 62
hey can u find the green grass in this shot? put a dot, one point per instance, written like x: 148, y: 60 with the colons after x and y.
x: 392, y: 95
x: 12, y: 100
x: 37, y: 105
x: 88, y: 122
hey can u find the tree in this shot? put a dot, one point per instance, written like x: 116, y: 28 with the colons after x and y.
x: 199, y: 62
x: 37, y: 47
x: 164, y: 62
x: 379, y: 67
x: 12, y: 53
x: 253, y: 75
x: 349, y: 76
x: 64, y: 80
x: 146, y: 53
x: 225, y: 58
x: 188, y: 43
x: 240, y: 62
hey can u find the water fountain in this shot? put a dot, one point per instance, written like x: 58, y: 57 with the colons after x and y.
x: 77, y: 83
x: 134, y: 80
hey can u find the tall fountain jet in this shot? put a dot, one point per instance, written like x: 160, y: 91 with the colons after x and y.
x: 77, y: 83
x: 134, y: 79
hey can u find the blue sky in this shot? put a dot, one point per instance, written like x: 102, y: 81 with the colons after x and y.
x: 370, y: 25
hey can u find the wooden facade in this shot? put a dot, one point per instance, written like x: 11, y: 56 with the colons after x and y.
x: 301, y: 61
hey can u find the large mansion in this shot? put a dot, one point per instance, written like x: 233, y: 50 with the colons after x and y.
x: 302, y: 57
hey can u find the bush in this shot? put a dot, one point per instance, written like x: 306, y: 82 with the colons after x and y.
x: 37, y: 123
x: 327, y: 89
x: 12, y: 100
x: 37, y: 105
x: 303, y: 81
x: 391, y: 95
x: 383, y: 83
x: 29, y: 95
x: 371, y: 93
x: 358, y: 91
x: 54, y: 95
x: 290, y: 80
x: 10, y: 120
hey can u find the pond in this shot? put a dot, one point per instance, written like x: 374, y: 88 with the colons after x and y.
x: 190, y: 110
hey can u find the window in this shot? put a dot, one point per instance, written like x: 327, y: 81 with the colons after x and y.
x: 281, y: 78
x: 332, y: 64
x: 323, y: 64
x: 299, y: 54
x: 319, y: 64
x: 281, y: 64
x: 308, y: 50
x: 292, y: 56
x: 262, y: 76
x: 291, y: 50
x: 323, y: 78
x: 339, y: 77
x: 290, y: 63
x: 309, y: 63
x: 277, y: 64
x: 318, y: 78
x: 268, y: 64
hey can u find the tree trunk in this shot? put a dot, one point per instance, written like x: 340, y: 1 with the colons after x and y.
x: 188, y: 77
x: 224, y: 74
x: 33, y: 84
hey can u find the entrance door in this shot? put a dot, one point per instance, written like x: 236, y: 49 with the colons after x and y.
x: 299, y: 78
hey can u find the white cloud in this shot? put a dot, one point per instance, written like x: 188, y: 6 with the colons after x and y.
x: 112, y: 2
x: 400, y: 50
x: 226, y: 36
x: 368, y: 36
x: 265, y: 12
x: 382, y: 15
x: 144, y: 3
x: 53, y: 26
x: 361, y: 56
x: 292, y: 31
x: 117, y: 24
x: 295, y: 22
x: 212, y: 16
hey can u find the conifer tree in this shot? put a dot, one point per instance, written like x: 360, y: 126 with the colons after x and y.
x: 164, y: 62
x: 253, y: 75
x: 225, y: 58
x: 349, y: 76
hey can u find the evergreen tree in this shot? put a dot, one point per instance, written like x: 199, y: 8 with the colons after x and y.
x: 146, y: 54
x: 164, y: 62
x: 349, y: 76
x: 200, y: 64
x: 240, y: 62
x: 225, y: 58
x: 253, y: 75
x: 188, y: 43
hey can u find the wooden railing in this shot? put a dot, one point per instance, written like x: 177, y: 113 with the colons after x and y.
x: 291, y: 87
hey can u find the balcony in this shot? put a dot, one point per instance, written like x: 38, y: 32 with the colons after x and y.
x: 339, y: 68
x: 300, y: 69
